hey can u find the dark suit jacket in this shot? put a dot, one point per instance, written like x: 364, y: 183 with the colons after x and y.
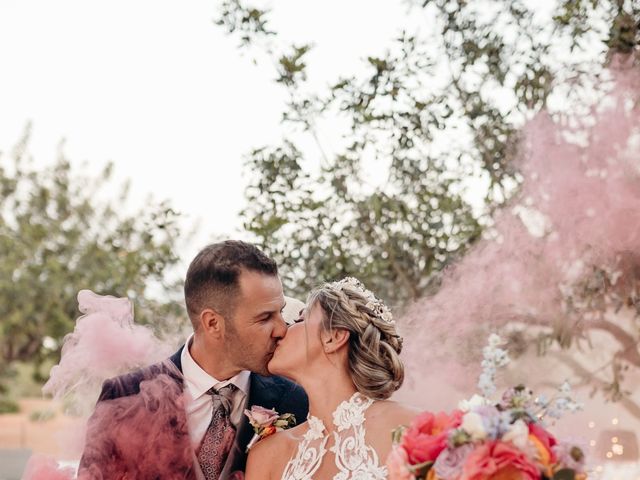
x: 139, y: 427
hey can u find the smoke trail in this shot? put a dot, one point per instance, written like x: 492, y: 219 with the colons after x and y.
x: 106, y: 342
x: 564, y: 255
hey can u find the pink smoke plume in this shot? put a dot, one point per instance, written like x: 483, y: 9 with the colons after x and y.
x: 41, y: 467
x: 152, y: 423
x: 104, y: 343
x: 578, y: 208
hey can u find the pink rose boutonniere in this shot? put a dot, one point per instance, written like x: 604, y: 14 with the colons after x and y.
x: 266, y: 422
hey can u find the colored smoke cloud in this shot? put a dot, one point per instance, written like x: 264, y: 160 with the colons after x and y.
x: 577, y: 210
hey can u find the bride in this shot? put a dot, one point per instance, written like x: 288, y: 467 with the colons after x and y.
x: 344, y: 351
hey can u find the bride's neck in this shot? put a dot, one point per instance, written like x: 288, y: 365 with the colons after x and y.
x: 326, y: 392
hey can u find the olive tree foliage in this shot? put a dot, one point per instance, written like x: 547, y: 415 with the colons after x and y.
x: 62, y: 230
x: 439, y: 111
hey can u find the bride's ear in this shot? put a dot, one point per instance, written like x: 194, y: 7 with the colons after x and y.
x: 335, y: 339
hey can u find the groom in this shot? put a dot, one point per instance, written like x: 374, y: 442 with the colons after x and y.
x: 183, y: 418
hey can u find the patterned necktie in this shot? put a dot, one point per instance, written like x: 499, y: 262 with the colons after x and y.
x: 219, y: 437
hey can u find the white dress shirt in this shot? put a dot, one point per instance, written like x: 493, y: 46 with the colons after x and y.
x: 198, y: 403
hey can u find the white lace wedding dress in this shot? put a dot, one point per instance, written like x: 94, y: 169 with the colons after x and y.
x: 354, y: 459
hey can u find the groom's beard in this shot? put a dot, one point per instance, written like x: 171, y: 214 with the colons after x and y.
x: 247, y: 355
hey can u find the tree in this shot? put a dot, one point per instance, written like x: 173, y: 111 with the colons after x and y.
x: 438, y: 108
x: 56, y: 237
x: 430, y: 111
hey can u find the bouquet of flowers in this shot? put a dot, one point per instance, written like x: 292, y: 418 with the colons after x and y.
x: 490, y: 440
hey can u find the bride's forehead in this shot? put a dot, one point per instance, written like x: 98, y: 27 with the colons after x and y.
x: 313, y: 310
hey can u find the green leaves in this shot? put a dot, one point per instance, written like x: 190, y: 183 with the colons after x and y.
x: 59, y: 234
x: 292, y: 66
x: 564, y: 474
x: 423, y: 123
x: 247, y: 21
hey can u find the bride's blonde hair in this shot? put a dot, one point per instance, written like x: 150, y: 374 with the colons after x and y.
x: 374, y: 344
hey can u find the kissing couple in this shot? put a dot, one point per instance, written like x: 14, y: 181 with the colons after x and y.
x: 333, y: 363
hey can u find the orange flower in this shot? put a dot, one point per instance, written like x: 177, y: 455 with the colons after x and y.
x: 544, y: 443
x: 266, y: 431
x: 548, y: 440
x: 432, y: 475
x: 508, y: 473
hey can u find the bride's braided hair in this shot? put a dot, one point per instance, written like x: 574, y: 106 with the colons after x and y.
x: 374, y: 344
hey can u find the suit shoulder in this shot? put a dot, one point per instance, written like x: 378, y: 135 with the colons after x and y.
x: 287, y: 387
x: 129, y: 383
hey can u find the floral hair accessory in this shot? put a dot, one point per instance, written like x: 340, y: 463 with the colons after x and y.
x: 266, y: 422
x: 374, y: 304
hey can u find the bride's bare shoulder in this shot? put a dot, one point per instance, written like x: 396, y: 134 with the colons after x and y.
x: 394, y: 413
x: 270, y: 454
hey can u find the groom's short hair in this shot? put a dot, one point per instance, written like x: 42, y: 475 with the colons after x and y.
x: 212, y: 277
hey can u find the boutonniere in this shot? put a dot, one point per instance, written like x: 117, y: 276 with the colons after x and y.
x: 266, y: 422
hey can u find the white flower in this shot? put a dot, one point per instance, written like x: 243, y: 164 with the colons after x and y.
x: 518, y: 434
x: 472, y: 424
x: 486, y: 384
x: 474, y: 402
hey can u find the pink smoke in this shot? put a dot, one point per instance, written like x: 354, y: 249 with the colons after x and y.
x: 578, y: 207
x: 104, y: 343
x: 153, y: 424
x: 41, y: 467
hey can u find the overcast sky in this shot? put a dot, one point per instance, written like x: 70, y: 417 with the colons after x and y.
x: 157, y: 88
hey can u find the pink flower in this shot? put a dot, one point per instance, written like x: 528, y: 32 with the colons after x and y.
x: 449, y: 463
x: 260, y: 416
x: 498, y: 460
x: 427, y: 435
x: 397, y: 463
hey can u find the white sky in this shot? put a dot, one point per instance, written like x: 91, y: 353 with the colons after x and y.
x: 157, y: 88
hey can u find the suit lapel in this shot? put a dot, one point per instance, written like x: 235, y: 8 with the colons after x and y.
x: 176, y: 358
x: 265, y: 393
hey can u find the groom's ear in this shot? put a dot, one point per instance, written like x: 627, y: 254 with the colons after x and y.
x: 212, y: 323
x: 336, y: 339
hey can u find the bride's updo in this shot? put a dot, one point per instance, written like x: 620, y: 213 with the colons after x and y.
x: 374, y: 344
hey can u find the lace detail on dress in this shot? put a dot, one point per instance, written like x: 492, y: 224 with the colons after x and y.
x: 354, y: 458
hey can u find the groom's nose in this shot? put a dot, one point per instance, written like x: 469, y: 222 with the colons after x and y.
x: 280, y: 330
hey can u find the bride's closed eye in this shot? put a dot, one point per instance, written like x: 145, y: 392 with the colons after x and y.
x: 300, y: 318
